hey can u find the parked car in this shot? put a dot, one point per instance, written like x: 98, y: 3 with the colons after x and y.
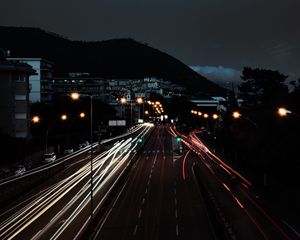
x: 49, y: 157
x: 68, y: 151
x: 18, y: 170
x: 84, y: 144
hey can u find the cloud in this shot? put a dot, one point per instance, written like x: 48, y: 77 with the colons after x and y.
x: 219, y: 74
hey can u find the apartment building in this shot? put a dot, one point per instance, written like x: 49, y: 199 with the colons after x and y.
x: 14, y: 98
x: 40, y: 84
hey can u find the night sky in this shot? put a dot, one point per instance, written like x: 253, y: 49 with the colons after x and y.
x: 217, y: 37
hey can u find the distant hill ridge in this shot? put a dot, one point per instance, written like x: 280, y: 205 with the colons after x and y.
x: 116, y: 58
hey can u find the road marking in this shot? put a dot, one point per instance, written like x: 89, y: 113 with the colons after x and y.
x: 177, y: 231
x: 176, y: 214
x: 140, y: 213
x: 143, y: 201
x: 175, y: 201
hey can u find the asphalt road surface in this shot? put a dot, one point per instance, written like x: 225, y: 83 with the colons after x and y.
x: 160, y: 199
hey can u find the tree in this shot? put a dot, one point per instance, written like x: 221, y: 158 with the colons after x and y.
x: 262, y: 87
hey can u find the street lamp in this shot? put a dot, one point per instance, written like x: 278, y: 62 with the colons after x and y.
x: 62, y: 117
x: 140, y: 100
x: 283, y: 112
x: 76, y: 96
x: 35, y: 119
x: 237, y: 115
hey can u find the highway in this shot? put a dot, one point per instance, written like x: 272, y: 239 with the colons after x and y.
x: 153, y: 183
x: 191, y: 194
x: 61, y: 207
x: 232, y: 198
x: 158, y: 200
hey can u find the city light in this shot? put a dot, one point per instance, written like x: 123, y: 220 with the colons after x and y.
x: 283, y: 112
x: 236, y: 115
x: 123, y: 100
x: 75, y: 95
x: 36, y: 119
x: 215, y: 116
x: 64, y: 117
x: 139, y: 100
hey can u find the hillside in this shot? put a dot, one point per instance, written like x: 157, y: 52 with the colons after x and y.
x: 116, y: 58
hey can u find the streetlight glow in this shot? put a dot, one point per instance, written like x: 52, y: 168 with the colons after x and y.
x: 82, y: 115
x: 36, y: 119
x: 75, y: 95
x: 236, y: 114
x: 123, y: 100
x: 215, y: 116
x: 139, y: 100
x: 64, y: 117
x: 283, y: 112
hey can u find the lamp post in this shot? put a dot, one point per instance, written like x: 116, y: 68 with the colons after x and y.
x: 76, y: 96
x: 62, y: 117
x: 237, y: 115
x: 283, y: 112
x: 140, y: 100
x: 123, y: 100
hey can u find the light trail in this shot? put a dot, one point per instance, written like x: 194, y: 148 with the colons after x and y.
x: 183, y: 164
x: 107, y: 167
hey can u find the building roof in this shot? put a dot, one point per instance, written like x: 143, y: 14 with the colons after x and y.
x: 15, y: 66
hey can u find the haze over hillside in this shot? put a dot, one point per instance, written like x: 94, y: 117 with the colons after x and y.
x: 116, y: 58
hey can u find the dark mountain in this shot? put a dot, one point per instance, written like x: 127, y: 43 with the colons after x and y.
x: 116, y: 58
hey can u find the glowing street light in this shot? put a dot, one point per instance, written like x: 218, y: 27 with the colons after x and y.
x: 123, y: 100
x: 283, y: 112
x: 64, y: 117
x: 215, y: 116
x: 36, y: 119
x: 82, y: 115
x: 139, y: 100
x: 76, y: 96
x: 236, y: 114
